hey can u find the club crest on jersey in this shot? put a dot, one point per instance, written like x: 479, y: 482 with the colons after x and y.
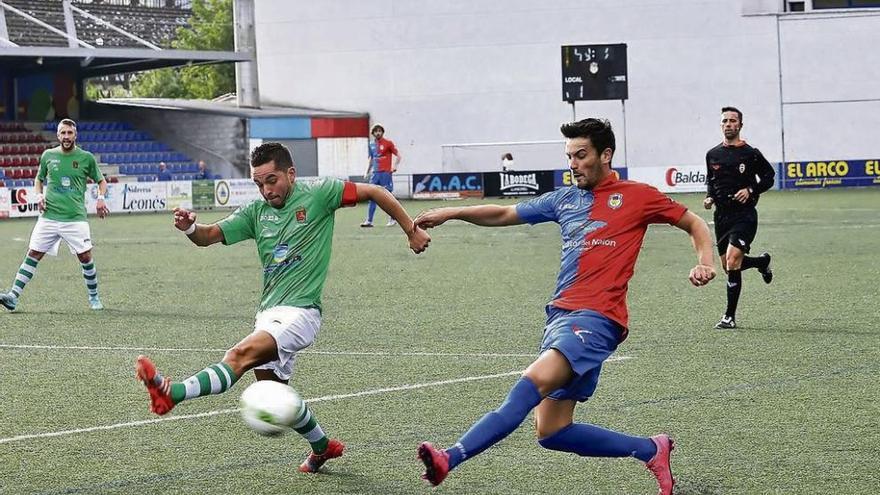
x: 279, y: 254
x: 301, y: 215
x: 615, y: 201
x: 716, y: 166
x: 75, y: 164
x: 742, y: 168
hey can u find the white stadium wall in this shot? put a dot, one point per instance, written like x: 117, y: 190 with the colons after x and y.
x: 459, y: 71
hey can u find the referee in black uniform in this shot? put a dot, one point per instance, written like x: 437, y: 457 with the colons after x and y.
x: 736, y: 175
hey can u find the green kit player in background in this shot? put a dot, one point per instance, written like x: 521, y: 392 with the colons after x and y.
x: 293, y: 229
x: 64, y: 172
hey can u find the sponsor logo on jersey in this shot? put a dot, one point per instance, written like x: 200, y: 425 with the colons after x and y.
x: 65, y: 182
x: 269, y: 217
x: 279, y: 254
x: 301, y: 215
x: 281, y: 258
x: 615, y: 201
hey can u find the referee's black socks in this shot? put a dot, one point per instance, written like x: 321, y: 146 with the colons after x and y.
x: 754, y: 262
x: 734, y: 287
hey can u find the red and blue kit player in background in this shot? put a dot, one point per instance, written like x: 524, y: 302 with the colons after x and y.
x: 603, y: 222
x: 380, y: 167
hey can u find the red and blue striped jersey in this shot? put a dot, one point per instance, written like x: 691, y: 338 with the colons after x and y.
x: 602, y: 232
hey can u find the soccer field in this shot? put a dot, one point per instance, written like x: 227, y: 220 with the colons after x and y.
x: 416, y: 348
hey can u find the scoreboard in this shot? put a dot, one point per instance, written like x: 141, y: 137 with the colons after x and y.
x: 594, y: 72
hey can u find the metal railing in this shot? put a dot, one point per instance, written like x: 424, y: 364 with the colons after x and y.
x: 162, y: 4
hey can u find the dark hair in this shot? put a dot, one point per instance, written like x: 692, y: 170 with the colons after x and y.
x: 598, y: 130
x: 69, y: 122
x: 269, y: 152
x: 733, y: 109
x: 507, y: 156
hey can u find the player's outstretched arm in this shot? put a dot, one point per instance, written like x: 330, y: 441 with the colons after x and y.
x: 484, y: 215
x: 702, y: 240
x: 200, y: 235
x: 418, y: 238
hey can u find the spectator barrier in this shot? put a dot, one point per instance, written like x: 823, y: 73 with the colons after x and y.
x: 134, y: 197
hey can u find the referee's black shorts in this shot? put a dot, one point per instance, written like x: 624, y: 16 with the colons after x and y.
x: 737, y: 228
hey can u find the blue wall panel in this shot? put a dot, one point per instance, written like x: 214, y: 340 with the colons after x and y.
x: 281, y: 128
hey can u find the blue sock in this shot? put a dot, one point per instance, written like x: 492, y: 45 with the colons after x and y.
x: 493, y: 427
x: 592, y: 441
x: 371, y: 210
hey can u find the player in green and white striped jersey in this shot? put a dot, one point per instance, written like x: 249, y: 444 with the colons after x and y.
x: 64, y: 170
x: 292, y: 227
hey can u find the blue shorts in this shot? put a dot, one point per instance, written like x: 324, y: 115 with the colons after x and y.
x: 383, y: 179
x: 586, y: 339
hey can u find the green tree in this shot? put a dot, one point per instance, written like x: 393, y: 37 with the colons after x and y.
x: 210, y: 28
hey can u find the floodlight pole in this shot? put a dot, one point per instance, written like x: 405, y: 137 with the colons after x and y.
x: 781, y: 98
x: 246, y: 75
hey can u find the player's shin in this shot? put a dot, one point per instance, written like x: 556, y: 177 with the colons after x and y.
x: 734, y: 288
x: 495, y: 426
x: 90, y: 275
x: 592, y: 441
x: 307, y: 426
x: 25, y: 273
x: 214, y: 379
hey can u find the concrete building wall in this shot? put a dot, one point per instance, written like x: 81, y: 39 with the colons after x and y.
x: 456, y: 71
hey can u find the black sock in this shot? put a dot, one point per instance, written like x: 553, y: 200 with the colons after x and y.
x: 751, y: 262
x: 734, y: 287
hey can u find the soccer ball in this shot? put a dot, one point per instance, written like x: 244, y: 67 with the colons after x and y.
x: 270, y: 408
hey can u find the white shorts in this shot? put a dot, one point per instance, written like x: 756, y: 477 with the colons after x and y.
x: 47, y: 235
x: 293, y: 328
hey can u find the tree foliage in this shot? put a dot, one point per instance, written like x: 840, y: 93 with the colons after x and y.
x: 210, y: 28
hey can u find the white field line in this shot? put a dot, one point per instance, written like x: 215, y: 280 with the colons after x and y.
x: 325, y: 353
x: 326, y: 398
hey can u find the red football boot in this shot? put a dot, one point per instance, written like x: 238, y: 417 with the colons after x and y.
x: 314, y: 461
x: 436, y: 463
x: 158, y: 387
x: 659, y: 464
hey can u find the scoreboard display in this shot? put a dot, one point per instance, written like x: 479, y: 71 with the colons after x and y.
x: 594, y: 72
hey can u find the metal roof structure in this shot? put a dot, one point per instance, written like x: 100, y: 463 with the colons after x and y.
x: 39, y: 44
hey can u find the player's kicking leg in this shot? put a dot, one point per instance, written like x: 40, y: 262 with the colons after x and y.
x: 257, y: 348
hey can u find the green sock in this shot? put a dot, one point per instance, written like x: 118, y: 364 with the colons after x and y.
x: 90, y: 274
x: 214, y: 379
x: 25, y: 273
x: 307, y: 426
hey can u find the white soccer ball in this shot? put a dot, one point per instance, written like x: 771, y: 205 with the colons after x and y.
x: 270, y: 408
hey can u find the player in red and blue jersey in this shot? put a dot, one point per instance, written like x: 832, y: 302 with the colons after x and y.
x: 603, y: 222
x: 380, y: 167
